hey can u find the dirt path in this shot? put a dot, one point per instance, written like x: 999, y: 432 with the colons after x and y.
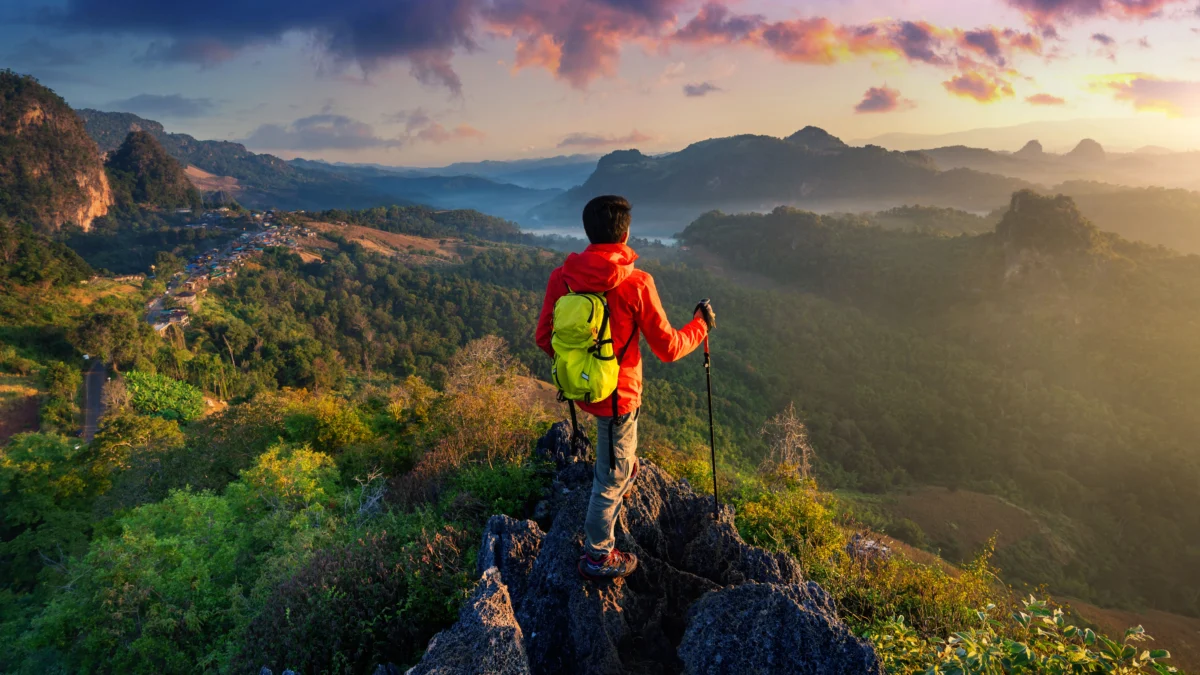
x: 93, y: 403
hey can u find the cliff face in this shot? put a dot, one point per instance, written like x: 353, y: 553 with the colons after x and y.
x: 51, y: 173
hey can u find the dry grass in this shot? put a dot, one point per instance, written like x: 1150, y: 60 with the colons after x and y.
x: 86, y: 295
x: 20, y: 405
x: 393, y: 244
x: 208, y: 182
x: 966, y: 518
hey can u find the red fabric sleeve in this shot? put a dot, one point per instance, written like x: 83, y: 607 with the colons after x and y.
x: 667, y: 343
x: 555, y: 289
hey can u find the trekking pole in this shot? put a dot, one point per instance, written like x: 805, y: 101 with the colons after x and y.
x: 712, y: 434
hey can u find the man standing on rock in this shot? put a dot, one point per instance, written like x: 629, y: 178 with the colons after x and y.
x: 606, y: 268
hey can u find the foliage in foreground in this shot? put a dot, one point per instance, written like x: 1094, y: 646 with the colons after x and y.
x: 1035, y: 639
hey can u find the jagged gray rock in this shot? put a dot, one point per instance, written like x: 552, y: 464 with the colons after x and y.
x: 771, y: 628
x: 563, y: 624
x: 511, y: 546
x: 486, y: 639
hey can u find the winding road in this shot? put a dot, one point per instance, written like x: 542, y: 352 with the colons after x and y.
x: 93, y: 399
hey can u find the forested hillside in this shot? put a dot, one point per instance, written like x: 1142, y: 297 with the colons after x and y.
x: 141, y: 173
x: 1047, y: 362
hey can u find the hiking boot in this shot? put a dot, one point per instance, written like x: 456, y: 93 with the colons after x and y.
x: 615, y: 565
x: 632, y: 477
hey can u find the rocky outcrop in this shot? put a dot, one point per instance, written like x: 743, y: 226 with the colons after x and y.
x: 51, y: 173
x: 486, y: 638
x: 690, y: 566
x: 768, y: 628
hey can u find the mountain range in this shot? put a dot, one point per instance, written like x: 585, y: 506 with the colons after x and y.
x: 811, y: 169
x: 757, y: 173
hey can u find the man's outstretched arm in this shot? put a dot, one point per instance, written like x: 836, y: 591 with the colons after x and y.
x: 667, y: 343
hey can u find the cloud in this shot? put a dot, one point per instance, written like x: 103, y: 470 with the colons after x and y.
x: 38, y: 53
x: 1106, y: 45
x: 698, y: 89
x: 1045, y: 99
x: 1175, y: 98
x: 157, y: 105
x: 421, y: 125
x: 578, y: 40
x: 583, y: 140
x: 319, y: 132
x: 368, y: 33
x: 437, y: 134
x: 715, y: 24
x: 204, y: 52
x: 982, y: 87
x: 1050, y: 12
x: 882, y: 99
x: 979, y: 58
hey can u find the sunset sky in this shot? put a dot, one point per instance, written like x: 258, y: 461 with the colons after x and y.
x: 423, y: 82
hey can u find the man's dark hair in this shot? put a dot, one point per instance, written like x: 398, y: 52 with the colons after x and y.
x: 606, y: 219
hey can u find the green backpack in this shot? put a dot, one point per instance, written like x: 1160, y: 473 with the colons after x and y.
x: 586, y: 366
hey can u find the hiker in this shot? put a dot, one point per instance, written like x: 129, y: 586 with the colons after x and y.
x: 605, y: 276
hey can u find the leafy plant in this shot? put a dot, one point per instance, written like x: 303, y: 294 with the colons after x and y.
x: 1037, y: 639
x: 154, y: 394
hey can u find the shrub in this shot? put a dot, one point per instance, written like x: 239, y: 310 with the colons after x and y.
x: 376, y: 600
x: 506, y: 489
x: 325, y: 423
x: 1035, y: 639
x: 59, y: 411
x: 798, y: 519
x: 167, y: 591
x: 158, y: 395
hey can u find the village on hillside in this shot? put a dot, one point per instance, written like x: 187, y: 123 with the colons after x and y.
x: 184, y: 289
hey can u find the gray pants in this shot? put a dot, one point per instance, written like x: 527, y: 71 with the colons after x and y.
x: 608, y: 486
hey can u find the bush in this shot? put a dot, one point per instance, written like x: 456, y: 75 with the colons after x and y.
x: 800, y: 520
x: 164, y: 397
x: 507, y: 489
x: 325, y: 423
x: 376, y: 600
x: 60, y: 413
x: 1035, y: 639
x: 167, y: 592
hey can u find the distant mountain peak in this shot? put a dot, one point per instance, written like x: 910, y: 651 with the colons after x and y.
x: 1031, y: 149
x: 816, y: 138
x: 1087, y: 150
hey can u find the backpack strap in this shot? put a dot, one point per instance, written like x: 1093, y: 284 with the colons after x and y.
x: 612, y: 421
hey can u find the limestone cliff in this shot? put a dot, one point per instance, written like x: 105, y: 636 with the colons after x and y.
x: 51, y: 172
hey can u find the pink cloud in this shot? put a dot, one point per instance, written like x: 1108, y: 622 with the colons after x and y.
x: 1175, y: 98
x: 882, y: 99
x: 437, y: 134
x: 1050, y: 12
x: 584, y: 140
x: 983, y: 87
x: 1044, y: 99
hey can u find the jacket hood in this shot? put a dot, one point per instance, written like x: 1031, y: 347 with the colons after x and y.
x: 601, y: 267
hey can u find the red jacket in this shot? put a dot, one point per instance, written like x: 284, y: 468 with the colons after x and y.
x: 634, y: 309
